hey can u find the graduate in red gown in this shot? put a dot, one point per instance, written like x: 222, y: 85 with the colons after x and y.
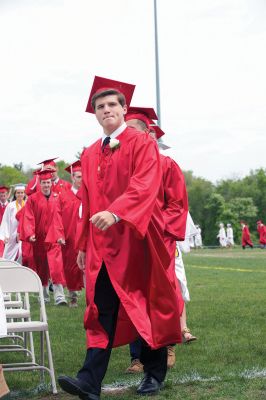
x: 261, y: 228
x: 3, y: 203
x: 42, y: 226
x: 26, y: 247
x: 246, y: 241
x: 173, y: 202
x: 122, y: 250
x: 71, y: 207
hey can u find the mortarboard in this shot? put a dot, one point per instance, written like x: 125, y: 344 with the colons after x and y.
x: 19, y: 186
x: 44, y: 175
x: 101, y: 84
x: 48, y: 164
x: 4, y: 189
x: 158, y: 131
x: 76, y: 166
x: 144, y: 114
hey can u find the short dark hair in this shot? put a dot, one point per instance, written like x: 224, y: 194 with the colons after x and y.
x: 108, y: 92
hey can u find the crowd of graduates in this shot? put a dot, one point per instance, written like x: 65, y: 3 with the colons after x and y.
x: 119, y: 231
x: 226, y: 237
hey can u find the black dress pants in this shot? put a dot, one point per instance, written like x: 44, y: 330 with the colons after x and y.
x: 96, y: 361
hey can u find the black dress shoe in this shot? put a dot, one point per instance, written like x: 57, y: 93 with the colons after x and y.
x: 149, y: 385
x: 77, y: 387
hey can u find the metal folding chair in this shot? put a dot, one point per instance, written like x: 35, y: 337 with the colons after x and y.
x: 18, y: 279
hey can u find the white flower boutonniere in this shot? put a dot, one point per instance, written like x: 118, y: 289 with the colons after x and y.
x: 114, y: 144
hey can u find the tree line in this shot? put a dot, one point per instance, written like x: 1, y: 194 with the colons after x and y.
x: 228, y: 201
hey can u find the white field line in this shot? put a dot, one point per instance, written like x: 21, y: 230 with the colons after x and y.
x: 226, y: 269
x: 189, y: 378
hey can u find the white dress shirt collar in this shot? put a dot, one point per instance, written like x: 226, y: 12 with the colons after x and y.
x: 116, y: 132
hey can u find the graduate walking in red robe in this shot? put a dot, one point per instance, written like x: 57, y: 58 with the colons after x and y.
x: 71, y: 206
x: 122, y: 250
x: 42, y: 226
x: 261, y: 228
x: 246, y: 241
x: 173, y: 202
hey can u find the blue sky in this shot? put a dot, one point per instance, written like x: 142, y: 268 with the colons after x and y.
x: 212, y: 77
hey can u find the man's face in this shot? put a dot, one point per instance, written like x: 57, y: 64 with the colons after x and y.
x: 109, y: 113
x: 46, y: 186
x: 76, y: 179
x: 3, y: 197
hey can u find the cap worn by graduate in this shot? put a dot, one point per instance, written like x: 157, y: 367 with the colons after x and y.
x: 147, y: 115
x: 101, y: 85
x: 144, y: 114
x: 74, y: 167
x: 48, y: 164
x: 4, y: 189
x: 44, y: 175
x: 19, y: 186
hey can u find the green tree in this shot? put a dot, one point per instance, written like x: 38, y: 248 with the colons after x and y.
x: 199, y: 192
x: 10, y: 176
x: 214, y: 211
x: 63, y: 174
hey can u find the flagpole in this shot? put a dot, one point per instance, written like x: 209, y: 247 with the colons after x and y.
x: 157, y: 63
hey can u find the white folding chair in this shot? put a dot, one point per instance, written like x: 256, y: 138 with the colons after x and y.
x: 18, y: 279
x: 17, y: 308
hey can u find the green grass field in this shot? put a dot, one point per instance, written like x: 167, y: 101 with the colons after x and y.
x: 227, y: 313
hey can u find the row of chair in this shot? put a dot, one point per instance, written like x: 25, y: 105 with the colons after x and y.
x: 18, y: 283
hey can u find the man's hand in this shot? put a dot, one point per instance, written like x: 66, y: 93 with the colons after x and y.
x: 103, y: 220
x: 81, y: 260
x: 32, y: 238
x: 61, y: 241
x: 6, y: 240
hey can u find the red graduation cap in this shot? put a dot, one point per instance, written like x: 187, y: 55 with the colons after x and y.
x: 144, y: 114
x: 148, y: 111
x: 75, y: 167
x: 102, y: 84
x: 48, y: 164
x: 158, y: 131
x: 44, y: 175
x: 37, y: 171
x: 4, y: 189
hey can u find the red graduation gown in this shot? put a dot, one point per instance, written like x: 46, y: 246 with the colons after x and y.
x: 70, y: 204
x: 61, y: 186
x: 173, y: 202
x: 42, y: 218
x: 126, y: 181
x: 246, y: 236
x: 262, y: 233
x: 27, y: 251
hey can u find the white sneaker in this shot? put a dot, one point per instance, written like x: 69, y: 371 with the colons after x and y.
x: 59, y: 295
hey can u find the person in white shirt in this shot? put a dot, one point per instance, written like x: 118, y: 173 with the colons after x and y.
x: 222, y: 235
x: 230, y: 235
x: 9, y: 225
x: 198, y: 237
